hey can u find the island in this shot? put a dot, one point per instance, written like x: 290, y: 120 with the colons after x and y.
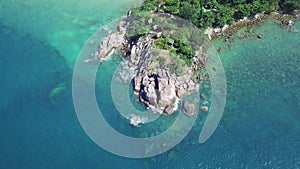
x: 165, y: 42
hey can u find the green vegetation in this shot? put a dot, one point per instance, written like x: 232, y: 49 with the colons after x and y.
x: 177, y: 65
x: 138, y: 26
x: 217, y: 13
x: 175, y: 35
x: 181, y: 37
x: 162, y: 60
x: 152, y: 69
x: 162, y: 44
x: 181, y: 49
x: 289, y: 6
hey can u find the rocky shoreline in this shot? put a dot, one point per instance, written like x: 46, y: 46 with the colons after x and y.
x: 284, y: 20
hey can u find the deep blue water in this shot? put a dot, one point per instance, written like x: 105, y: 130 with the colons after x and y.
x: 260, y: 127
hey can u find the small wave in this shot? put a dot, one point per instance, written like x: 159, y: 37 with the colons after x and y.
x: 295, y: 30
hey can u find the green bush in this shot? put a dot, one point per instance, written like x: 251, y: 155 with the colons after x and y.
x: 177, y: 66
x: 185, y: 52
x: 138, y: 26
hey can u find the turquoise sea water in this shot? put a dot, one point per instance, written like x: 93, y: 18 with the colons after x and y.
x: 260, y: 127
x: 65, y: 25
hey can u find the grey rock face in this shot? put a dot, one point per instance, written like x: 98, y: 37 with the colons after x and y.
x: 162, y: 91
x: 111, y: 43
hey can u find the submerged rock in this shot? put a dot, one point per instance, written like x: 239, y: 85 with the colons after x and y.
x: 189, y: 108
x: 58, y: 89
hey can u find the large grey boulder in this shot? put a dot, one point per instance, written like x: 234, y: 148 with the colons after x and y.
x: 167, y: 94
x: 151, y: 94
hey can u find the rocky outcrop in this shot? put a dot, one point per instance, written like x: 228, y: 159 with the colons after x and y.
x: 111, y: 43
x: 290, y: 25
x: 154, y: 84
x: 157, y: 91
x: 114, y: 41
x: 204, y: 108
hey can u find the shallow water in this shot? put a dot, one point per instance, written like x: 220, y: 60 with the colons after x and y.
x: 65, y: 25
x: 39, y: 129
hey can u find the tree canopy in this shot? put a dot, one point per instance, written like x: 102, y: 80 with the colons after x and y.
x: 183, y: 42
x: 217, y: 13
